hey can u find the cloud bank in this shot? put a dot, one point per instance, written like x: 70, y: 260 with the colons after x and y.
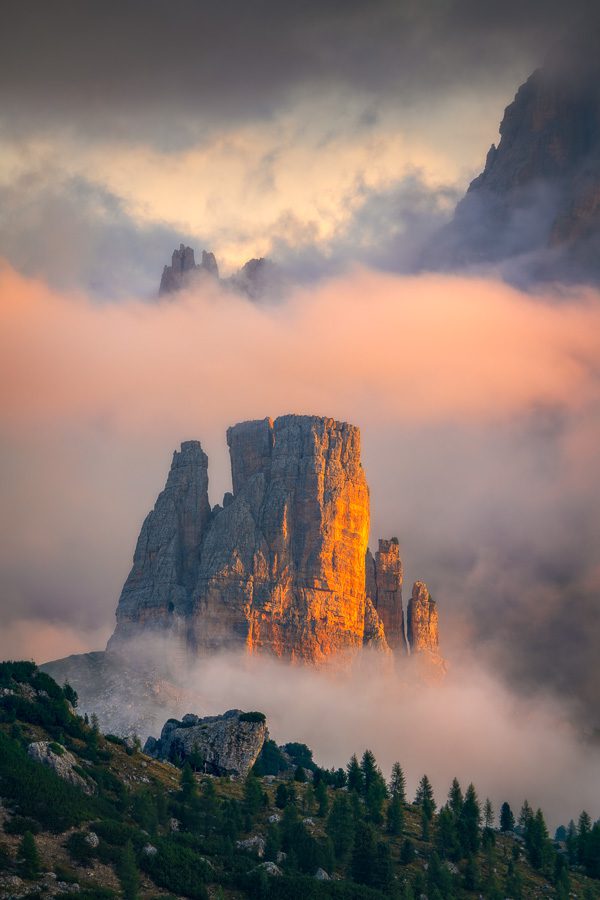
x: 479, y: 408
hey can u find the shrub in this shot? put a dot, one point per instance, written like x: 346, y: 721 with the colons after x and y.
x: 79, y: 849
x: 21, y: 824
x: 253, y: 717
x: 177, y: 869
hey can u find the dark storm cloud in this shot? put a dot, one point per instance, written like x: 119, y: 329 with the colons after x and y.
x: 179, y: 66
x: 78, y: 236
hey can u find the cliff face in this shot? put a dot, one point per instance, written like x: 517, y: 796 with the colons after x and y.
x: 539, y: 192
x: 384, y: 575
x: 280, y: 567
x: 183, y: 270
x: 422, y: 620
x: 258, y: 279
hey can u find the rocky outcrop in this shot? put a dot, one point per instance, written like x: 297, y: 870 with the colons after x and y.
x: 279, y: 568
x: 374, y: 633
x: 258, y: 279
x: 227, y: 745
x: 183, y: 270
x: 61, y: 761
x: 422, y: 618
x: 384, y: 575
x: 538, y: 197
x: 165, y: 569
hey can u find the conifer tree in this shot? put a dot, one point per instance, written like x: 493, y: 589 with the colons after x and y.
x: 507, y: 819
x: 424, y: 798
x: 525, y: 816
x: 355, y: 776
x: 187, y: 782
x: 488, y: 813
x: 253, y: 797
x: 383, y: 869
x: 30, y: 861
x: 455, y: 798
x: 407, y: 852
x: 322, y: 799
x: 363, y: 854
x: 470, y: 820
x: 395, y: 815
x: 446, y: 837
x: 340, y: 826
x: 398, y: 782
x: 127, y: 872
x: 513, y: 883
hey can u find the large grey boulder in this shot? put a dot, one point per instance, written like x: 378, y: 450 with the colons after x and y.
x: 228, y: 744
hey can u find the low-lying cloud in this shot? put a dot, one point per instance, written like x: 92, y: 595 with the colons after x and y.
x: 480, y: 413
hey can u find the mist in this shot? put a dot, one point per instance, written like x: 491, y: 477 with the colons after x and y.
x: 479, y: 410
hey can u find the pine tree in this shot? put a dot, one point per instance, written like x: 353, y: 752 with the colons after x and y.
x: 455, y: 798
x: 368, y: 767
x: 488, y: 813
x: 253, y: 797
x: 398, y: 782
x: 383, y: 869
x: 322, y: 799
x: 407, y: 852
x: 470, y: 820
x: 513, y: 884
x: 395, y: 815
x: 30, y: 861
x: 355, y: 776
x: 471, y: 874
x: 187, y: 782
x: 525, y: 816
x: 507, y: 819
x: 446, y: 837
x: 281, y: 796
x: 424, y: 798
x: 300, y: 775
x: 537, y: 841
x: 363, y: 854
x: 128, y: 873
x: 340, y: 826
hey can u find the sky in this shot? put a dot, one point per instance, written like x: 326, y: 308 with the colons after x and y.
x: 334, y: 138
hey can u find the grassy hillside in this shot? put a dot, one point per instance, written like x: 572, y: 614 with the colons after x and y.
x: 100, y: 819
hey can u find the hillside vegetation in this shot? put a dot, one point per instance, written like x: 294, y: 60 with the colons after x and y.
x: 97, y: 819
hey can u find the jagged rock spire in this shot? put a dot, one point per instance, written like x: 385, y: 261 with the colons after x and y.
x: 422, y: 620
x: 384, y: 576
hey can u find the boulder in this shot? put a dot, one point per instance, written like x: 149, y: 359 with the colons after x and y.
x: 229, y: 744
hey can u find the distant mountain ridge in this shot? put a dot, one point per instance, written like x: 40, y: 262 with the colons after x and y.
x: 258, y: 279
x: 538, y: 195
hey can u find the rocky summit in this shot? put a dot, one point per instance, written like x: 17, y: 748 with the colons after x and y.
x: 537, y: 200
x: 257, y: 279
x: 282, y: 566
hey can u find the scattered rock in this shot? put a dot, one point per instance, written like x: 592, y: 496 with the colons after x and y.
x: 322, y: 875
x: 61, y: 763
x: 92, y: 839
x: 270, y: 868
x: 255, y: 844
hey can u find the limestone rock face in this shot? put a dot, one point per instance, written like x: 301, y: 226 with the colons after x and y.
x: 157, y: 592
x: 374, y: 633
x: 539, y: 192
x: 384, y: 576
x: 61, y: 763
x: 279, y: 568
x: 183, y: 270
x: 230, y: 744
x: 422, y: 620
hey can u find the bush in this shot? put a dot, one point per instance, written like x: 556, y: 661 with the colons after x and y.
x: 177, y: 869
x: 79, y: 849
x: 253, y: 717
x: 38, y: 792
x: 56, y: 748
x: 21, y: 824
